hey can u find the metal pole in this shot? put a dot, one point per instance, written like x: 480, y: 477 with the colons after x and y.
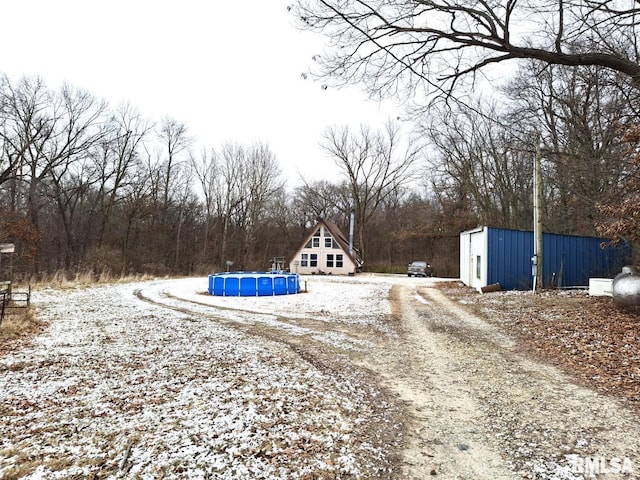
x: 2, y: 306
x: 537, y: 216
x: 352, y: 221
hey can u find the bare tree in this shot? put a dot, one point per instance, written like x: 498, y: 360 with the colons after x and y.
x: 49, y: 132
x: 135, y: 207
x: 205, y: 168
x: 27, y: 130
x: 580, y: 114
x: 9, y: 158
x: 484, y: 161
x: 79, y: 129
x: 175, y: 139
x: 319, y: 199
x: 260, y: 182
x: 168, y: 168
x: 433, y: 45
x: 373, y: 166
x: 240, y: 183
x: 183, y: 203
x: 117, y: 158
x: 228, y: 193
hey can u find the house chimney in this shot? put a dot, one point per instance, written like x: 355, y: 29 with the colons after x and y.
x: 352, y: 221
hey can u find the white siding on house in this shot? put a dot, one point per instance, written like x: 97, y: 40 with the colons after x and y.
x: 321, y: 254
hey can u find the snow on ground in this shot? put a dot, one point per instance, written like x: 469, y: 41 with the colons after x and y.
x: 119, y: 388
x: 333, y: 299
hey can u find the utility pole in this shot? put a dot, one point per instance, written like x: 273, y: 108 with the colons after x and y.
x: 537, y: 218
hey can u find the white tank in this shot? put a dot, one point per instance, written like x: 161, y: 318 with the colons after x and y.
x: 626, y: 288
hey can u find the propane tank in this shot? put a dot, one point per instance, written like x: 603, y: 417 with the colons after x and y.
x: 626, y: 288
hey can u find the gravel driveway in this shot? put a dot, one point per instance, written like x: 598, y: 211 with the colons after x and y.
x: 365, y: 377
x: 482, y: 410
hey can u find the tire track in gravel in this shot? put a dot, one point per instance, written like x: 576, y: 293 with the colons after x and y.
x: 444, y: 438
x: 393, y: 367
x: 301, y: 337
x: 474, y: 407
x: 295, y: 333
x: 481, y: 410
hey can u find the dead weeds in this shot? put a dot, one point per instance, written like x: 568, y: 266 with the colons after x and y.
x: 588, y: 337
x: 19, y: 325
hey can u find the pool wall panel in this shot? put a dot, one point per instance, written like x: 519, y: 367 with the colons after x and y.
x: 247, y: 286
x: 232, y: 286
x: 265, y: 286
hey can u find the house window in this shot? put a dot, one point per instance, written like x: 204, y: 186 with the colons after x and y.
x: 308, y: 244
x: 313, y: 261
x: 330, y: 260
x: 304, y: 261
x: 478, y: 267
x: 339, y: 261
x: 315, y: 240
x: 328, y: 239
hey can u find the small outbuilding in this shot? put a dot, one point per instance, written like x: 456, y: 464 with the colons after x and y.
x: 325, y: 250
x: 501, y: 256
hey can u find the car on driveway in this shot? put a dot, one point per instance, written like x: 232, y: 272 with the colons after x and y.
x: 419, y: 268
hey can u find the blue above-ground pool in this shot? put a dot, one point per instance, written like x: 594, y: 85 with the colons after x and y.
x: 253, y: 284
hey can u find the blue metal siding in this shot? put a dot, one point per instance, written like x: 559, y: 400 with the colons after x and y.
x: 509, y: 262
x: 568, y: 260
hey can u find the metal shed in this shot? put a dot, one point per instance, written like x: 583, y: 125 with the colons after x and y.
x: 495, y: 255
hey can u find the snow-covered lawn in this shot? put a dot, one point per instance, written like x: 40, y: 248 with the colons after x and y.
x: 360, y: 301
x: 120, y: 388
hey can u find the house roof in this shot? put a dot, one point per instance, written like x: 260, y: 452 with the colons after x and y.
x: 339, y: 237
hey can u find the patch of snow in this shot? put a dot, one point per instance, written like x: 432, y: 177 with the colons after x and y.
x: 119, y: 387
x: 331, y: 299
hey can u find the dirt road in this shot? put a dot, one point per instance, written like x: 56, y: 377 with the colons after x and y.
x: 473, y: 406
x: 482, y: 410
x: 147, y: 381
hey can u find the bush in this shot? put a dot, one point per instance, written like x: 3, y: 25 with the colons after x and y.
x: 381, y: 268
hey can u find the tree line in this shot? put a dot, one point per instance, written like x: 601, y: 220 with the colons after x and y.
x: 85, y: 186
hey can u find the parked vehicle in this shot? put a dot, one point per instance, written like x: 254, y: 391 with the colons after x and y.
x: 420, y: 268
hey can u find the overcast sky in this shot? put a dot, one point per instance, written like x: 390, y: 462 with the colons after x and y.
x: 231, y: 71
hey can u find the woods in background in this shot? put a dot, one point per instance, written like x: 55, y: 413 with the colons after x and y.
x: 85, y: 186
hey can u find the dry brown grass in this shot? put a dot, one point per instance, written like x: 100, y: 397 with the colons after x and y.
x: 18, y: 325
x: 64, y: 280
x: 26, y: 464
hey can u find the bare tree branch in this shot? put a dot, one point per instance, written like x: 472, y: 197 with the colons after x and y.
x: 431, y: 46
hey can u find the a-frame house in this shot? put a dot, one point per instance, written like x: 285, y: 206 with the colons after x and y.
x: 326, y: 251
